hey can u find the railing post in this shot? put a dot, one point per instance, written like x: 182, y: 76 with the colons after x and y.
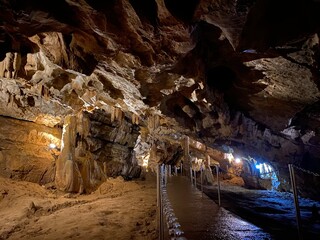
x: 158, y: 185
x: 159, y: 202
x: 165, y: 174
x: 181, y: 169
x: 201, y: 179
x: 218, y: 182
x: 296, y: 201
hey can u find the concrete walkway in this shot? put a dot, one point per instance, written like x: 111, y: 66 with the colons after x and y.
x: 201, y: 218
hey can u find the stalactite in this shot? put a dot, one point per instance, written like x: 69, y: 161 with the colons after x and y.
x: 120, y: 115
x: 112, y: 114
x: 116, y: 115
x: 135, y: 119
x: 105, y: 168
x: 83, y: 124
x: 153, y: 122
x: 187, y: 159
x: 45, y: 92
x: 153, y: 155
x: 207, y: 160
x: 156, y: 121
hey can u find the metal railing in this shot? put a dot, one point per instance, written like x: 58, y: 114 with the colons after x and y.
x: 167, y: 218
x: 295, y: 194
x: 293, y: 181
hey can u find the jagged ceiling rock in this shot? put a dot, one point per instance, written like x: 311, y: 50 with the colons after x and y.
x: 243, y: 73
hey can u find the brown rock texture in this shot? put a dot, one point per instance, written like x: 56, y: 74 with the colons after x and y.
x: 240, y: 75
x: 24, y: 150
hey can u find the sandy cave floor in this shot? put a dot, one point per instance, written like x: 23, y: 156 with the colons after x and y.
x: 127, y: 210
x: 117, y: 210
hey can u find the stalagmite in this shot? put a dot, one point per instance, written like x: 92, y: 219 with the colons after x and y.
x: 16, y: 64
x: 8, y: 63
x: 2, y: 68
x: 68, y: 177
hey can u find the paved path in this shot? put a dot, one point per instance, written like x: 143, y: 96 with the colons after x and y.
x: 202, y: 219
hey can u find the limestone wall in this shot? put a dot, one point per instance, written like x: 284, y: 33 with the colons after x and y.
x: 24, y: 150
x: 112, y: 143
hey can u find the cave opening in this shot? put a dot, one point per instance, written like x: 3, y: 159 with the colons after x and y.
x: 146, y: 10
x: 181, y: 9
x: 220, y: 78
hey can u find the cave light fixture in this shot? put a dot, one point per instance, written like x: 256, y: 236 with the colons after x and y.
x: 258, y: 166
x: 264, y: 168
x: 237, y: 160
x: 249, y: 51
x: 52, y: 146
x: 228, y: 156
x: 145, y: 162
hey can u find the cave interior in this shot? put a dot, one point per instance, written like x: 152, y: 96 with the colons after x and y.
x: 96, y: 89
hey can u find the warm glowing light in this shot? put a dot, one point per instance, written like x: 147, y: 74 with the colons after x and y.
x: 52, y: 146
x: 146, y: 160
x: 229, y: 156
x: 238, y: 160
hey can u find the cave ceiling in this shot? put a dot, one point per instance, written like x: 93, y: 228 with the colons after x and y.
x: 221, y: 71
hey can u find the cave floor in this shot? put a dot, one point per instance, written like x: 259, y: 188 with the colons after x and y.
x: 121, y: 209
x: 118, y: 209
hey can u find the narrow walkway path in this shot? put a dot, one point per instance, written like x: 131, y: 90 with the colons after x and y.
x: 202, y: 219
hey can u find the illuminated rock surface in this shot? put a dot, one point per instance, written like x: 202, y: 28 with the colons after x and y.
x: 119, y: 85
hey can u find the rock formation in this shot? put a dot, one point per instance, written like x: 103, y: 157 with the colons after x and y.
x: 122, y: 82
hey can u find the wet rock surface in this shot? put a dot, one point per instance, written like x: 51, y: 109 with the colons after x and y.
x: 272, y: 211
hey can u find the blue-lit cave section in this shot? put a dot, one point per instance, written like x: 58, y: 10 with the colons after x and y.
x: 266, y: 171
x: 256, y: 174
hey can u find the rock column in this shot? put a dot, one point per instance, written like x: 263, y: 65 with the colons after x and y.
x: 68, y: 176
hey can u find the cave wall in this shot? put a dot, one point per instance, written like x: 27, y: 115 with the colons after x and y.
x: 112, y: 142
x: 24, y: 150
x: 96, y: 146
